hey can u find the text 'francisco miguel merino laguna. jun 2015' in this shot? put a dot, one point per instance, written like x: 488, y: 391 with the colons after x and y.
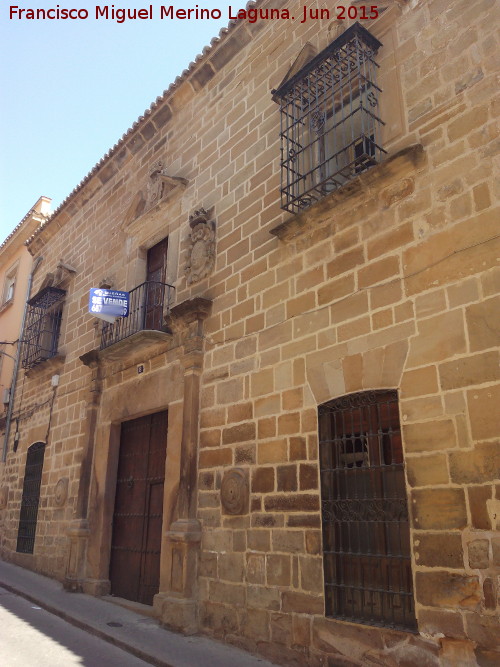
x: 149, y: 12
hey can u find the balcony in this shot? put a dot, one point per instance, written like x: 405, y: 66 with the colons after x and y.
x: 149, y: 304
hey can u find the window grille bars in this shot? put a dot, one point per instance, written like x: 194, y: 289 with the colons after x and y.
x: 30, y: 498
x: 366, y: 537
x: 330, y: 124
x: 43, y: 325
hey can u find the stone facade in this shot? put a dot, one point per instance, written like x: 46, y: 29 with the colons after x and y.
x: 387, y: 283
x: 15, y: 268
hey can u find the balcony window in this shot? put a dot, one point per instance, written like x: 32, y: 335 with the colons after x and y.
x: 149, y: 304
x: 10, y: 285
x: 43, y: 325
x: 330, y: 124
x: 366, y: 535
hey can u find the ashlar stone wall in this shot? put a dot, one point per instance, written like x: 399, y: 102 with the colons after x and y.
x: 389, y: 283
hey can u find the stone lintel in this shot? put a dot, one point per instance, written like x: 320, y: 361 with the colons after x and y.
x: 395, y: 166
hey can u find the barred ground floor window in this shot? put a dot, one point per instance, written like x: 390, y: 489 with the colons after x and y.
x: 31, y: 498
x: 366, y: 536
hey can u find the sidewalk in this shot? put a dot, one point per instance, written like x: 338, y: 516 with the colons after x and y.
x: 138, y: 634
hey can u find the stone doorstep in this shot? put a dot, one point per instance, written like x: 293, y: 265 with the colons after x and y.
x: 136, y: 607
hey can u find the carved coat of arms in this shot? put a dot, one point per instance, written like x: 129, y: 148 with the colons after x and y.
x: 201, y: 251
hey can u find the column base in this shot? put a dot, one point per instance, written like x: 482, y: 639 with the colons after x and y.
x: 97, y: 587
x: 78, y: 534
x: 177, y: 614
x: 178, y: 606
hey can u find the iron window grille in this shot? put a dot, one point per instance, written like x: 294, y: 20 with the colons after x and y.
x: 366, y: 535
x: 330, y: 124
x: 30, y: 499
x: 43, y: 325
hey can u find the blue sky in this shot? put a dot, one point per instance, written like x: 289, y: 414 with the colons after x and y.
x: 70, y: 89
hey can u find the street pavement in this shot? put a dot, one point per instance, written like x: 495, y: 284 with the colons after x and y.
x: 137, y: 633
x: 32, y: 636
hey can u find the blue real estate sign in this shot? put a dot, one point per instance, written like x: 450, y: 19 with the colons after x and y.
x: 108, y: 304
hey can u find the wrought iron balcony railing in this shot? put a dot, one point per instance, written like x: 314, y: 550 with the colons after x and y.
x: 149, y: 304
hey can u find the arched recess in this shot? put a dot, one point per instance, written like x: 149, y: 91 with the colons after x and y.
x: 30, y: 498
x: 336, y: 371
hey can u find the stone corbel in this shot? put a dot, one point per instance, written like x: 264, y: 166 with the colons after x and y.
x: 90, y: 359
x: 187, y: 318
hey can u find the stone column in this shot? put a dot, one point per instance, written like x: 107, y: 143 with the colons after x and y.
x: 79, y: 531
x: 178, y: 606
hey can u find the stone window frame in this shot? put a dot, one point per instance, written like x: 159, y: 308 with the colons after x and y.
x: 9, y: 286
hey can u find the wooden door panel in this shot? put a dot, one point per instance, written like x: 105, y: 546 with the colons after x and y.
x: 152, y: 542
x: 155, y: 291
x: 138, y: 514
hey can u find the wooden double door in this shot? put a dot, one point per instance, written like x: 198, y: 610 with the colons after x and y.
x: 138, y: 512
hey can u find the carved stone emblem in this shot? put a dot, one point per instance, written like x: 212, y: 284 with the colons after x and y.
x: 234, y: 493
x: 154, y: 186
x: 201, y: 251
x: 4, y: 496
x: 61, y: 492
x: 160, y: 184
x: 156, y: 190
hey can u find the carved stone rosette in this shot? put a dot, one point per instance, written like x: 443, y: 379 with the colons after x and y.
x: 234, y: 492
x: 61, y: 492
x: 201, y: 252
